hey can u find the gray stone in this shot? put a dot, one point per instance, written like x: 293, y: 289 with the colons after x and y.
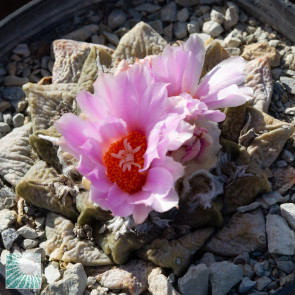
x: 180, y: 30
x: 112, y: 38
x: 7, y: 218
x: 7, y: 198
x: 29, y: 243
x: 159, y: 284
x: 183, y: 14
x: 74, y: 282
x: 52, y: 272
x: 276, y: 73
x: 281, y: 163
x: 242, y: 258
x: 248, y: 271
x: 288, y: 212
x: 212, y: 28
x: 27, y: 232
x: 289, y: 84
x: 246, y: 285
x: 223, y: 276
x: 207, y: 259
x: 261, y: 283
x: 22, y: 49
x: 231, y: 41
x: 287, y: 156
x: 286, y: 266
x: 231, y: 15
x: 258, y: 268
x: 204, y: 37
x: 274, y: 209
x: 249, y: 207
x: 169, y: 12
x: 280, y: 237
x: 195, y: 281
x: 243, y: 233
x: 18, y: 120
x: 7, y: 118
x: 157, y: 25
x: 4, y: 127
x: 187, y: 2
x: 9, y: 235
x: 233, y: 51
x: 116, y: 18
x: 193, y: 27
x: 216, y: 16
x: 148, y: 7
x: 271, y: 198
x: 15, y: 81
x: 12, y: 93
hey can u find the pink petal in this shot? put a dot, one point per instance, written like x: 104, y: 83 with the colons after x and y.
x: 166, y: 203
x: 99, y: 198
x: 92, y: 106
x: 228, y: 72
x: 180, y: 66
x: 140, y: 213
x: 159, y: 181
x: 227, y: 97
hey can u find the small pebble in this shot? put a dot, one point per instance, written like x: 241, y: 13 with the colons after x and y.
x: 4, y: 127
x: 9, y: 235
x: 18, y: 120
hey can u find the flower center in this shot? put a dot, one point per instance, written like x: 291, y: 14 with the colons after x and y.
x: 123, y: 160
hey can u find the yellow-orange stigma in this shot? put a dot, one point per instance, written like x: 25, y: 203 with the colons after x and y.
x: 123, y: 159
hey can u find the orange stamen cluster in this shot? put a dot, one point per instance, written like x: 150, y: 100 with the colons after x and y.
x: 119, y: 170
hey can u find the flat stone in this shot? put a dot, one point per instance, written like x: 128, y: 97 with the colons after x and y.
x: 22, y: 49
x: 12, y: 93
x: 195, y: 281
x: 18, y: 120
x: 9, y: 235
x: 74, y: 282
x: 169, y: 12
x: 280, y: 237
x: 261, y: 283
x: 208, y: 259
x: 246, y: 285
x: 261, y: 49
x: 289, y: 84
x: 15, y: 81
x: 258, y: 268
x: 288, y: 212
x: 148, y: 7
x: 212, y: 28
x: 27, y: 232
x: 223, y: 276
x: 159, y: 284
x: 183, y: 14
x: 52, y: 272
x: 15, y: 154
x: 116, y: 18
x: 243, y: 233
x: 180, y: 30
x: 271, y: 198
x: 132, y: 277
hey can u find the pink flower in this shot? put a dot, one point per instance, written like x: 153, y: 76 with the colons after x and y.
x: 122, y: 139
x: 181, y: 68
